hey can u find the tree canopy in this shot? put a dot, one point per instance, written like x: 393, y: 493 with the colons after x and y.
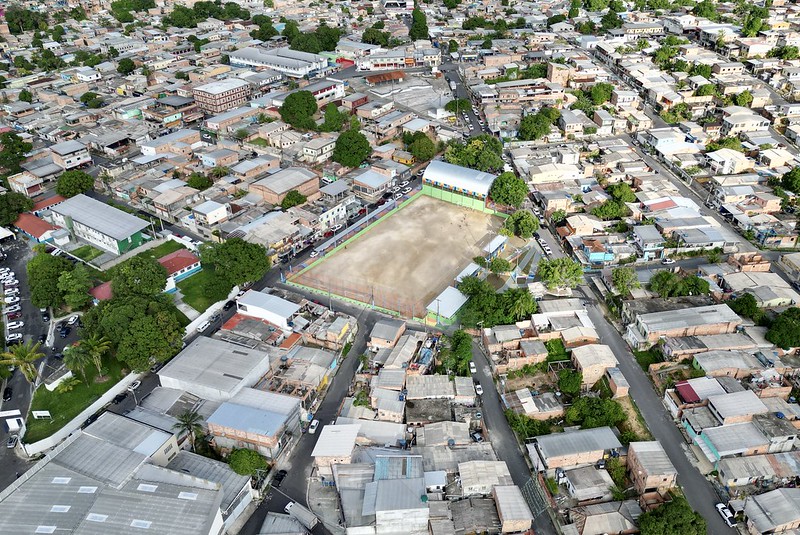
x: 624, y: 279
x: 74, y: 182
x: 457, y: 353
x: 480, y: 152
x: 13, y: 152
x: 745, y: 305
x: 246, y: 462
x: 791, y: 180
x: 621, y: 192
x: 487, y: 307
x: 351, y: 148
x: 236, y: 260
x: 569, y: 381
x: 11, y: 205
x: 668, y: 284
x: 675, y: 516
x: 560, y: 273
x: 589, y: 412
x: 538, y: 125
x: 74, y: 287
x: 298, y: 109
x: 126, y: 66
x: 199, y: 181
x: 522, y: 224
x: 508, y: 189
x: 293, y: 198
x: 785, y: 330
x: 457, y: 105
x: 44, y: 271
x: 138, y: 276
x: 419, y: 25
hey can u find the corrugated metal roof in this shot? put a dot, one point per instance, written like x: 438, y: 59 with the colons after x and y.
x: 459, y: 178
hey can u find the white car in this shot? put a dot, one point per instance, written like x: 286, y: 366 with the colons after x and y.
x: 73, y: 319
x: 667, y: 261
x: 203, y: 326
x: 479, y: 389
x: 313, y: 427
x: 404, y: 183
x: 13, y: 325
x: 11, y: 282
x: 12, y: 309
x: 313, y: 254
x: 13, y: 336
x: 398, y: 196
x: 726, y: 514
x: 406, y: 191
x: 337, y: 228
x: 11, y: 291
x: 134, y: 385
x: 472, y: 368
x: 11, y: 299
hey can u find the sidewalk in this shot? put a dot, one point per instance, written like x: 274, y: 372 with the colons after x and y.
x: 324, y: 502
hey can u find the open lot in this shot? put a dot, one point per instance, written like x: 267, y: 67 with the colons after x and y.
x: 407, y: 258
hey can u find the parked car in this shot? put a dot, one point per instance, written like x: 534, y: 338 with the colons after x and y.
x: 119, y: 398
x: 229, y: 305
x: 134, y: 385
x: 203, y: 326
x: 11, y: 299
x: 13, y: 315
x: 13, y: 308
x: 11, y: 291
x: 477, y: 437
x: 313, y: 427
x: 398, y: 196
x: 11, y: 443
x: 15, y: 325
x: 42, y: 338
x: 404, y: 183
x: 8, y: 393
x: 726, y: 514
x: 479, y: 389
x: 73, y: 319
x: 10, y: 283
x: 155, y: 367
x: 667, y: 261
x: 313, y: 254
x: 472, y: 368
x: 13, y: 337
x: 46, y: 317
x: 337, y: 228
x: 65, y: 332
x: 406, y: 191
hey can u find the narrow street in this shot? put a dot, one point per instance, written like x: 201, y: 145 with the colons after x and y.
x: 698, y: 490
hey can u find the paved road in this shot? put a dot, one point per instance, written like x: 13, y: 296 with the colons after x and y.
x: 698, y: 490
x: 501, y: 436
x: 451, y: 74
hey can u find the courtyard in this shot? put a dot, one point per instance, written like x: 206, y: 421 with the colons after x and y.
x: 405, y: 260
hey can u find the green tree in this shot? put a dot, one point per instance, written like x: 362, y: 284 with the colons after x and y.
x: 246, y: 462
x: 624, y: 280
x: 142, y: 276
x: 452, y: 46
x: 293, y: 198
x: 560, y: 273
x: 219, y: 171
x: 610, y: 20
x: 785, y: 330
x: 665, y: 283
x: 74, y: 287
x: 422, y: 148
x: 600, y: 92
x: 24, y: 357
x: 374, y: 36
x: 150, y: 339
x: 351, y: 149
x: 74, y: 182
x: 508, y: 189
x: 13, y: 153
x: 621, y: 192
x: 499, y: 265
x: 673, y: 517
x: 706, y: 90
x: 744, y: 99
x: 570, y: 381
x: 457, y: 105
x: 11, y: 205
x: 190, y: 423
x: 481, y: 152
x: 26, y: 96
x: 558, y: 216
x: 419, y: 25
x: 298, y: 109
x: 533, y: 127
x: 519, y: 303
x: 44, y: 271
x: 334, y: 119
x: 236, y: 260
x: 610, y: 210
x: 791, y: 180
x: 96, y: 347
x: 590, y: 412
x: 744, y: 305
x: 522, y: 224
x: 77, y: 360
x: 526, y: 427
x: 199, y: 181
x: 126, y: 66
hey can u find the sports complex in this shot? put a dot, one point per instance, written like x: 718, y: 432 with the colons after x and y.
x: 407, y: 261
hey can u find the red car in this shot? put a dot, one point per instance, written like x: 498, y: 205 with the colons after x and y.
x: 381, y: 202
x: 14, y: 315
x: 328, y: 234
x: 362, y: 211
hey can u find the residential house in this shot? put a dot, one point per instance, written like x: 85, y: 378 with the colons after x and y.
x: 650, y: 468
x: 591, y: 361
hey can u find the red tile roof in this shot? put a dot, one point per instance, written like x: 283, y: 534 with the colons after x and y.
x: 102, y: 292
x: 32, y: 225
x: 41, y: 205
x: 180, y: 259
x: 662, y: 205
x: 686, y: 392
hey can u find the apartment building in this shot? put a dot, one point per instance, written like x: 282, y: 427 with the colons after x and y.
x: 649, y: 328
x: 222, y: 95
x: 70, y: 154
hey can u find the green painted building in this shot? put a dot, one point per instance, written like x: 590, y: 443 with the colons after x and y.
x: 458, y: 185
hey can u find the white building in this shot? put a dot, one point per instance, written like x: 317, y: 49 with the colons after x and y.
x: 289, y: 62
x: 268, y: 307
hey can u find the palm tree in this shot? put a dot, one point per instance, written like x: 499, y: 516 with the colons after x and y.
x: 219, y: 172
x: 189, y: 422
x: 96, y: 347
x: 24, y: 357
x: 520, y: 302
x: 77, y: 359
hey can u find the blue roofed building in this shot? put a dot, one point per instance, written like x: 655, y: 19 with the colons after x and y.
x: 255, y: 419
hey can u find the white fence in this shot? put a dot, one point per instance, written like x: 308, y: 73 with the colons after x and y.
x: 51, y: 441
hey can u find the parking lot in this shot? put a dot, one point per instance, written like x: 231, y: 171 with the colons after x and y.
x: 410, y: 256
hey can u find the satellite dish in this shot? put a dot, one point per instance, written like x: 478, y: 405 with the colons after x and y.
x: 451, y: 442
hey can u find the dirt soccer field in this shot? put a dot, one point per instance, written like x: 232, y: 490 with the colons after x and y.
x: 410, y: 256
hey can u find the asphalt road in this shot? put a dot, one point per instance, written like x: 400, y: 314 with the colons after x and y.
x: 500, y: 434
x: 451, y: 74
x: 699, y: 492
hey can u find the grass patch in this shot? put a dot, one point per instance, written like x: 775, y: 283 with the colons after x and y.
x: 159, y: 251
x: 258, y: 142
x: 555, y: 350
x: 64, y: 407
x: 646, y: 358
x: 552, y: 486
x: 201, y: 290
x: 346, y: 349
x: 87, y: 253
